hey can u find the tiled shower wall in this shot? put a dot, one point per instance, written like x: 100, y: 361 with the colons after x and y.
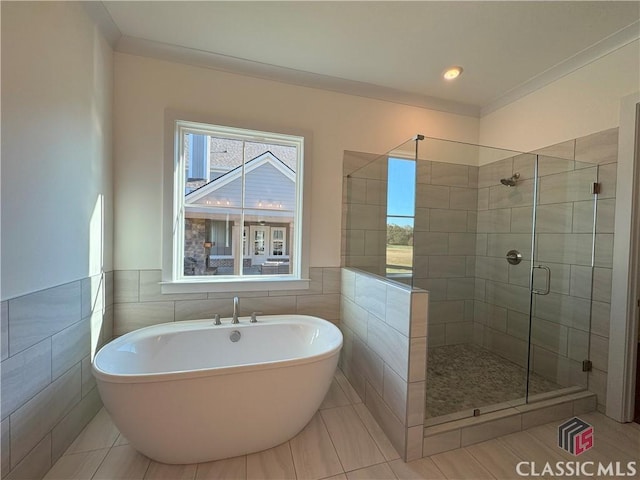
x: 466, y: 221
x: 139, y: 303
x: 560, y: 326
x: 444, y: 235
x: 384, y: 355
x: 48, y: 392
x: 445, y: 247
x: 364, y: 223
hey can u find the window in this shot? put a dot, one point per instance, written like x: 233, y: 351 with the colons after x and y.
x: 400, y: 216
x: 237, y: 204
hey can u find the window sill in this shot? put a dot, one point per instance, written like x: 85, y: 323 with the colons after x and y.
x: 234, y: 285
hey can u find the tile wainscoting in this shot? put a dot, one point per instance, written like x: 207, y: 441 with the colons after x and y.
x: 139, y: 303
x: 48, y: 392
x: 384, y: 355
x: 49, y: 337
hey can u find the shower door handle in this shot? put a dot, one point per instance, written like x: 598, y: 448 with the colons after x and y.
x: 548, y: 288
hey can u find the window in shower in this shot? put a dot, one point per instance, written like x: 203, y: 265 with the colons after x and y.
x: 400, y: 217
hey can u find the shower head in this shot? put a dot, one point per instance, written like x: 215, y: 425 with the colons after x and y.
x: 511, y: 181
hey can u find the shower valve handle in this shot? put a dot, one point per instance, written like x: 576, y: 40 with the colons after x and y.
x: 514, y: 257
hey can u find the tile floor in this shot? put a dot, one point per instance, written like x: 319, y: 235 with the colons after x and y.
x: 464, y: 377
x: 342, y: 442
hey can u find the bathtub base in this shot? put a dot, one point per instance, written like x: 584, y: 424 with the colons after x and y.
x: 206, y: 419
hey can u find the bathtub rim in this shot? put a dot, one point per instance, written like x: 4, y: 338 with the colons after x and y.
x: 133, y: 378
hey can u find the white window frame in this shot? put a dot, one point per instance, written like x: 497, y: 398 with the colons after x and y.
x: 173, y: 230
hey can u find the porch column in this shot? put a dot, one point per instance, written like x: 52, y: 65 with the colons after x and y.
x: 289, y: 245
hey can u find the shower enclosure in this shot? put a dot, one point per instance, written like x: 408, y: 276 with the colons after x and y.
x: 505, y: 242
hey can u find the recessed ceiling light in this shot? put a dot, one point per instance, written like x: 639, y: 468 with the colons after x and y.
x: 452, y: 72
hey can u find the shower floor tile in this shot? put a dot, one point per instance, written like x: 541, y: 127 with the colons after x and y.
x: 463, y: 377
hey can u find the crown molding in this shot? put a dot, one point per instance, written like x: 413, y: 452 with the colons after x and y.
x: 201, y: 58
x: 598, y: 50
x: 101, y: 17
x: 215, y: 61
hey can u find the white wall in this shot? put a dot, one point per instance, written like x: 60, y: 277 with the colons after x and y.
x: 57, y: 75
x: 583, y: 102
x: 145, y: 87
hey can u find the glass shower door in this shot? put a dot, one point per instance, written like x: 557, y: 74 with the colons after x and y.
x: 503, y: 264
x: 479, y: 304
x: 562, y: 276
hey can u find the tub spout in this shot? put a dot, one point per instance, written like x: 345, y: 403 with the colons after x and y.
x: 236, y: 305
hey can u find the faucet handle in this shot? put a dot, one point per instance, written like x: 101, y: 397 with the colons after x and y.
x: 216, y: 319
x: 254, y: 318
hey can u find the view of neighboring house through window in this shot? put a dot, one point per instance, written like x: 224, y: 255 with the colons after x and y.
x: 400, y: 216
x: 239, y: 213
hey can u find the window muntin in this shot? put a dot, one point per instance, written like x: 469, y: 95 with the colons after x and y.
x: 244, y: 188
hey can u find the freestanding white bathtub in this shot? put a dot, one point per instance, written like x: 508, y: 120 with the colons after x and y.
x: 184, y: 392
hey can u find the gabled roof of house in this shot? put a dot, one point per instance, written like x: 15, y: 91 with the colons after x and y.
x: 265, y: 158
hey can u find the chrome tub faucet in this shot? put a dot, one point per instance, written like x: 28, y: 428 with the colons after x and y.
x: 236, y: 306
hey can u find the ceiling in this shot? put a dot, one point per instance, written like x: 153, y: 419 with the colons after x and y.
x: 391, y: 50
